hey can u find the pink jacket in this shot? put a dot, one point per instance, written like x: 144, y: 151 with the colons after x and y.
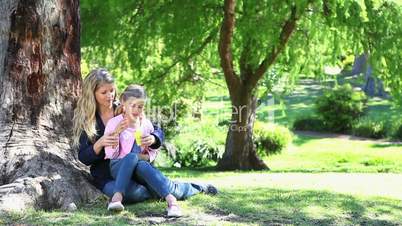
x: 127, y: 139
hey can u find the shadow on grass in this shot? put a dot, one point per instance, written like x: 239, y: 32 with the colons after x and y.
x: 243, y: 206
x: 300, y: 140
x: 272, y: 206
x: 187, y: 171
x: 387, y: 145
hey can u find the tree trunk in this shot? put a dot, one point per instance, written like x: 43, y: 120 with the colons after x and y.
x: 39, y: 84
x: 240, y: 152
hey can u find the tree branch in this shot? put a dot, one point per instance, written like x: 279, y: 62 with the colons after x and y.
x: 206, y: 41
x: 286, y: 32
x: 245, y: 67
x: 225, y: 44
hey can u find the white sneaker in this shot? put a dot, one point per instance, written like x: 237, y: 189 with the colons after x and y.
x: 174, y: 211
x: 115, y: 206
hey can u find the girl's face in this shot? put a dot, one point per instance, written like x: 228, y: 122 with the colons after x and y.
x: 134, y: 108
x: 104, y: 95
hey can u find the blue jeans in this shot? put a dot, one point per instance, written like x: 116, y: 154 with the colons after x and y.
x: 148, y: 182
x: 122, y: 171
x: 160, y: 186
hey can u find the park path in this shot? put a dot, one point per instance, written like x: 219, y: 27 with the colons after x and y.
x: 344, y: 136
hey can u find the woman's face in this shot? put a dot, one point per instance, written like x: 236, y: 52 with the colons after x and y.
x: 105, y: 94
x: 133, y: 108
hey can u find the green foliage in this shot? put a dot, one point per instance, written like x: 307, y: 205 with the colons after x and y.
x: 198, y: 143
x: 398, y: 133
x: 159, y: 44
x: 199, y: 153
x: 168, y: 117
x: 370, y: 129
x: 165, y: 43
x: 309, y: 124
x: 270, y: 138
x: 340, y: 107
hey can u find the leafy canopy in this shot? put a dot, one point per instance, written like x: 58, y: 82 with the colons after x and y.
x: 171, y: 46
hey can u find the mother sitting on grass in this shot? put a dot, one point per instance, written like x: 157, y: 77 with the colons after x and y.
x: 95, y: 108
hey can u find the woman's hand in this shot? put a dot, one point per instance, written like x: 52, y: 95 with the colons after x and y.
x: 104, y: 141
x: 147, y: 141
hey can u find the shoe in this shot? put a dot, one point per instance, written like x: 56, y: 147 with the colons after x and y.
x: 209, y: 189
x: 115, y: 206
x: 174, y: 211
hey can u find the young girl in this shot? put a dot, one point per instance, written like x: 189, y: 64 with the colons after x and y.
x: 125, y: 156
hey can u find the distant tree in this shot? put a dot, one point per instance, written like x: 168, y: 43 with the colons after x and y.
x: 372, y: 85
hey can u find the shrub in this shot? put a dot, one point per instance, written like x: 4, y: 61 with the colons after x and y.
x: 270, y: 138
x: 199, y: 153
x: 168, y: 117
x: 340, y: 107
x: 398, y: 132
x: 370, y: 129
x: 224, y: 122
x: 309, y: 124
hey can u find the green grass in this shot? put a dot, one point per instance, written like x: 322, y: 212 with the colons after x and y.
x: 283, y: 196
x: 301, y: 104
x: 314, y: 154
x: 245, y: 199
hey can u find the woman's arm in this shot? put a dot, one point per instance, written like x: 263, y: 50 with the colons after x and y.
x: 159, y: 137
x: 86, y: 151
x: 89, y: 153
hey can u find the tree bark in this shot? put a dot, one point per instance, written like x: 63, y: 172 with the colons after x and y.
x: 240, y: 151
x: 40, y: 82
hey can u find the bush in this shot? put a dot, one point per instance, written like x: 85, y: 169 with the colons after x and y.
x: 398, y: 133
x: 341, y: 107
x: 370, y: 129
x: 270, y: 138
x: 224, y: 123
x: 309, y: 124
x: 199, y: 153
x: 198, y: 143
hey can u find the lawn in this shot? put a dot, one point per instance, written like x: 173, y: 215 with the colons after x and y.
x: 246, y: 198
x: 319, y: 179
x: 326, y: 153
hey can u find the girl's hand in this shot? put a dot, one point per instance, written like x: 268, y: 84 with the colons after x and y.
x: 121, y: 126
x: 105, y: 141
x: 147, y: 141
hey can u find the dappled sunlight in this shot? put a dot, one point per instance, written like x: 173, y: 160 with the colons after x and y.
x: 300, y: 206
x: 256, y: 198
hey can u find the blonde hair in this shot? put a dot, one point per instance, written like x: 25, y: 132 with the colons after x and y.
x: 84, y: 114
x: 136, y: 91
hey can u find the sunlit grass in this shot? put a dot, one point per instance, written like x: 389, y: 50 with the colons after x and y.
x: 246, y: 198
x: 312, y: 154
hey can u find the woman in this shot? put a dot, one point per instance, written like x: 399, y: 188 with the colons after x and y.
x: 94, y: 109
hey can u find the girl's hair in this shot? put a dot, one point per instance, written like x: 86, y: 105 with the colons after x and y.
x: 136, y: 91
x: 84, y: 114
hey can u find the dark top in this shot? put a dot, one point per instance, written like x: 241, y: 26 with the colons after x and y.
x: 99, y: 166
